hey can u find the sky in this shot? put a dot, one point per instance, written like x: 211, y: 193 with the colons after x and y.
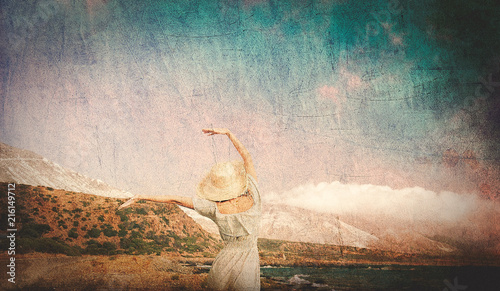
x: 397, y: 94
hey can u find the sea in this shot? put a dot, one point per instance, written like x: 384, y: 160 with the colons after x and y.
x: 390, y: 277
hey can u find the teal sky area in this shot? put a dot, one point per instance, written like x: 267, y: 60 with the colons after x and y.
x: 397, y: 93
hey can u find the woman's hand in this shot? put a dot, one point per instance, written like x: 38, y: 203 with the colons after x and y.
x: 129, y: 202
x: 212, y: 131
x: 244, y: 153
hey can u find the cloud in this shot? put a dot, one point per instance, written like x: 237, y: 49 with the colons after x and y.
x: 465, y: 219
x: 409, y: 204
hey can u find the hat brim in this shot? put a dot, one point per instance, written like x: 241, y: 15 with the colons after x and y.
x: 207, y: 191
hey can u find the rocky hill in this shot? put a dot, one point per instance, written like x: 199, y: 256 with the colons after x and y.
x: 60, y: 221
x: 29, y: 168
x: 295, y: 224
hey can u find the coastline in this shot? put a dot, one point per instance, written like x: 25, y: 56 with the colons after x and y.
x: 172, y: 272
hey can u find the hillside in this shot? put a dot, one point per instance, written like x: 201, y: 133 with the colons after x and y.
x: 59, y: 221
x: 26, y: 167
x: 296, y: 224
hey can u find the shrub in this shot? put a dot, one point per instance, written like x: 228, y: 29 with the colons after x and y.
x: 101, y: 218
x: 159, y: 210
x: 34, y: 230
x: 94, y: 232
x: 135, y: 234
x: 134, y: 225
x: 109, y: 246
x: 123, y: 216
x: 95, y: 248
x: 109, y: 232
x: 150, y: 235
x: 25, y: 219
x: 47, y: 245
x: 173, y: 235
x: 138, y: 246
x: 122, y: 233
x: 141, y: 211
x: 72, y: 233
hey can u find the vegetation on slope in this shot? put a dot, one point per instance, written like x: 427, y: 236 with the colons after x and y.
x: 58, y: 221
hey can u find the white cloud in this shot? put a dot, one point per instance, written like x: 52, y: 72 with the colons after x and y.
x: 412, y: 204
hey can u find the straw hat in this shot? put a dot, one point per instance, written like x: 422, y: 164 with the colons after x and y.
x: 224, y: 181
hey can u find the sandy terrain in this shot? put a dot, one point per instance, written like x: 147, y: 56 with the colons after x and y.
x: 120, y: 272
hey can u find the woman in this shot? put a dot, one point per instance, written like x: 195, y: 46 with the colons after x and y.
x: 229, y: 196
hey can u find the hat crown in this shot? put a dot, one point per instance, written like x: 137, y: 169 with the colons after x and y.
x: 224, y: 181
x: 222, y: 175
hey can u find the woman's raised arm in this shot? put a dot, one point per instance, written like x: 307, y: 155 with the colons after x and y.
x: 244, y: 153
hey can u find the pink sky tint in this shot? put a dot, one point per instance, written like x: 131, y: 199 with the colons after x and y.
x: 333, y: 94
x: 396, y: 39
x: 330, y: 92
x: 349, y: 82
x: 94, y: 5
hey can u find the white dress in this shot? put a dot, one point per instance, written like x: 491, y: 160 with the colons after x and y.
x: 237, y: 266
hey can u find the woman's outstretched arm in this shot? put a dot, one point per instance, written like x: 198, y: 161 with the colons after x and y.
x: 244, y: 153
x: 179, y: 200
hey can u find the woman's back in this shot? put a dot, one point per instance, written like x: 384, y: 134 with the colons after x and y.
x: 234, y: 224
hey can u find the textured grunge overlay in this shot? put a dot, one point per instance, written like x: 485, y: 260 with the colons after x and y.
x: 371, y: 123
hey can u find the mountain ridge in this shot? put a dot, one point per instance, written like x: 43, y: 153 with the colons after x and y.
x: 26, y: 167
